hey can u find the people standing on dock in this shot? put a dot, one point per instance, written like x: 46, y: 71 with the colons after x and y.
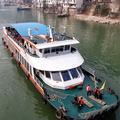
x: 88, y: 90
x: 80, y: 103
x: 97, y: 93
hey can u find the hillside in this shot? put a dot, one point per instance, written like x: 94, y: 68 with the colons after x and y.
x: 107, y: 13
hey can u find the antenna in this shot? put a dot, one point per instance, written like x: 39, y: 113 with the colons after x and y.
x: 51, y: 33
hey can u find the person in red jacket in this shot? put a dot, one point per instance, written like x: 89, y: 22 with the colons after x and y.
x: 88, y: 90
x: 80, y: 103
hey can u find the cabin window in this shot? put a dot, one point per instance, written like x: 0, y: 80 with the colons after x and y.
x: 27, y: 66
x: 56, y: 76
x: 74, y: 73
x: 80, y: 71
x: 65, y: 75
x: 53, y: 49
x: 42, y: 72
x: 61, y: 48
x: 30, y: 70
x: 40, y: 50
x: 47, y: 74
x: 67, y: 47
x: 47, y: 50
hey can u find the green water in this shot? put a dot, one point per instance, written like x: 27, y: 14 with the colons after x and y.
x: 99, y: 45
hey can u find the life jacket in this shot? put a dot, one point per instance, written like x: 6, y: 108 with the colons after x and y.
x: 88, y: 88
x: 98, y: 92
x: 80, y: 102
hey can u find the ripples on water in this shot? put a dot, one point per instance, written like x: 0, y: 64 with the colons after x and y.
x: 99, y: 45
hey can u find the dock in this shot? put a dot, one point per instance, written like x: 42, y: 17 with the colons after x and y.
x: 87, y: 103
x: 97, y: 100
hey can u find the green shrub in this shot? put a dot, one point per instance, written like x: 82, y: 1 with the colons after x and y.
x: 102, y: 9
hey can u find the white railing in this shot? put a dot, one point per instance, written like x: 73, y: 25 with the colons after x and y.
x: 89, y: 70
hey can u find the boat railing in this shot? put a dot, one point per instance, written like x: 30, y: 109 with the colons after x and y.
x: 38, y: 81
x: 89, y: 70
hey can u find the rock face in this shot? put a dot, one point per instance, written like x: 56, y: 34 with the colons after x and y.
x: 104, y: 20
x: 112, y: 18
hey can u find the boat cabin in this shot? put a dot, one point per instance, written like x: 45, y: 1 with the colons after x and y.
x: 50, y: 54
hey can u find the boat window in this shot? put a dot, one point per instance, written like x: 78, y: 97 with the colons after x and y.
x: 47, y: 50
x: 61, y: 48
x: 79, y: 69
x: 67, y: 47
x: 40, y: 50
x: 42, y: 72
x: 65, y: 75
x: 73, y: 49
x: 53, y: 49
x: 56, y: 76
x: 74, y: 73
x: 47, y: 74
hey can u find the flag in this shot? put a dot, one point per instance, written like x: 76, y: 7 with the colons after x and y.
x: 103, y: 86
x: 36, y: 29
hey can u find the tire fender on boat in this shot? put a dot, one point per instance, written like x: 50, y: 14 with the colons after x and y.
x: 27, y: 76
x: 89, y: 118
x: 7, y: 46
x: 2, y: 39
x: 19, y: 63
x: 12, y: 54
x: 65, y: 117
x: 44, y: 100
x: 109, y: 110
x: 58, y: 114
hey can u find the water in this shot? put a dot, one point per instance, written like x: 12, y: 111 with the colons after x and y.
x: 99, y: 45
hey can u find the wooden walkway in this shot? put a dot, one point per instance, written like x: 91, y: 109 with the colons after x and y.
x: 93, y: 79
x: 97, y: 100
x: 87, y: 103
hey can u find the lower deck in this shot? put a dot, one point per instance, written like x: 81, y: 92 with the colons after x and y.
x: 64, y: 98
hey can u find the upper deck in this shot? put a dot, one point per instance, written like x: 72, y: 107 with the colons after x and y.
x: 39, y: 35
x: 43, y: 45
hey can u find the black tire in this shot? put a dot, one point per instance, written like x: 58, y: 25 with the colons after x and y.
x: 115, y: 107
x: 2, y: 39
x: 44, y: 100
x: 7, y: 46
x: 12, y: 54
x: 58, y: 114
x: 19, y: 63
x: 27, y: 76
x: 65, y: 117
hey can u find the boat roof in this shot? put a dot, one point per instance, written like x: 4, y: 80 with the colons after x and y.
x: 56, y: 44
x: 36, y: 28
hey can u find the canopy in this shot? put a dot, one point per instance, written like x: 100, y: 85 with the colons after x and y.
x: 36, y: 28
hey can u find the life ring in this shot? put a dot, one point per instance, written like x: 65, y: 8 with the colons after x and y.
x: 44, y: 100
x: 58, y: 114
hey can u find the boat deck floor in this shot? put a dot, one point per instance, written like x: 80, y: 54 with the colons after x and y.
x: 64, y: 97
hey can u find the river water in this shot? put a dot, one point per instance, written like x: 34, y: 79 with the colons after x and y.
x: 99, y: 45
